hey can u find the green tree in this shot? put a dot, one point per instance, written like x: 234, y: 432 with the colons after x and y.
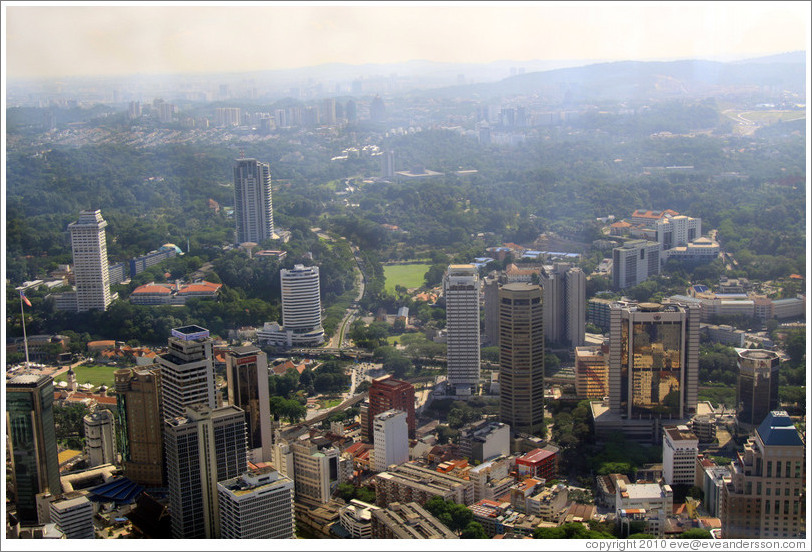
x: 696, y: 534
x: 473, y: 530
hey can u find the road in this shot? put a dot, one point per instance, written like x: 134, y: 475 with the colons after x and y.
x: 338, y: 341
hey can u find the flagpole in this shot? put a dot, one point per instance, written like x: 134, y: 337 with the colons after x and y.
x: 25, y: 337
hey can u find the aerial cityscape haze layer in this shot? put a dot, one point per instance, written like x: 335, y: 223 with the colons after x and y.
x: 445, y: 271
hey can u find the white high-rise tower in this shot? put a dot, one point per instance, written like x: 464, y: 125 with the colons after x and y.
x: 301, y: 303
x: 253, y: 207
x: 462, y: 323
x: 90, y: 261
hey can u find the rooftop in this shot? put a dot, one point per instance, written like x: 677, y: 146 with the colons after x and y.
x: 777, y: 429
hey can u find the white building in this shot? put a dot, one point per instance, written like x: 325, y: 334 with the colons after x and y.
x: 461, y: 288
x: 391, y: 439
x: 485, y: 440
x: 645, y: 496
x: 257, y: 505
x: 253, y: 206
x: 74, y: 517
x: 633, y: 263
x: 187, y: 371
x: 491, y: 479
x: 301, y: 311
x: 100, y: 440
x: 680, y: 448
x: 90, y: 267
x: 356, y: 518
x: 677, y: 230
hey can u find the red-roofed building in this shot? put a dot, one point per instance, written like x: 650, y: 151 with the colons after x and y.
x: 538, y: 463
x: 648, y: 216
x: 200, y: 289
x: 172, y: 294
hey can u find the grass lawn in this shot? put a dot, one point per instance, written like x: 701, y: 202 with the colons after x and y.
x: 330, y: 403
x: 406, y: 275
x: 392, y: 339
x: 773, y: 116
x: 95, y: 375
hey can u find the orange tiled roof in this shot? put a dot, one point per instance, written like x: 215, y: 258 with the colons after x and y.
x: 203, y: 287
x: 157, y: 289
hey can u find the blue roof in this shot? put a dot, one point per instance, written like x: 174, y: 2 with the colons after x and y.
x: 777, y: 429
x: 700, y: 288
x: 118, y: 489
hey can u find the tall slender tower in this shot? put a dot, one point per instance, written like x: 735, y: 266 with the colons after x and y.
x: 32, y: 442
x: 140, y: 425
x: 203, y: 447
x: 253, y: 208
x: 521, y: 357
x: 462, y: 322
x: 90, y: 261
x: 187, y: 371
x: 247, y: 376
x: 301, y: 304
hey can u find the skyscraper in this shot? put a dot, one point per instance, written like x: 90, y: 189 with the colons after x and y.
x: 100, y: 437
x: 461, y: 286
x: 257, y: 505
x: 32, y: 442
x: 756, y: 386
x: 253, y: 207
x: 140, y: 425
x: 765, y: 496
x: 654, y: 360
x: 301, y: 304
x: 90, y: 266
x: 187, y: 371
x: 633, y: 262
x: 203, y: 447
x: 564, y: 303
x: 521, y: 357
x: 391, y: 439
x: 491, y: 286
x: 247, y: 377
x: 388, y: 164
x: 386, y: 393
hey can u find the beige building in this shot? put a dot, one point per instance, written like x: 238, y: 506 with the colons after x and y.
x: 413, y: 483
x: 592, y: 372
x: 140, y: 425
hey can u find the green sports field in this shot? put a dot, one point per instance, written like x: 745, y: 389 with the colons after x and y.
x: 94, y: 375
x: 406, y: 275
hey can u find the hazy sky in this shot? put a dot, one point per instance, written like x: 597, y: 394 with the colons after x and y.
x: 130, y: 37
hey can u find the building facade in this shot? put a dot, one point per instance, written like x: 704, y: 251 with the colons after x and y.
x: 592, y: 372
x: 301, y: 310
x: 391, y: 438
x: 257, y: 505
x: 407, y: 521
x: 32, y: 442
x: 90, y: 267
x: 564, y: 288
x: 521, y: 357
x: 412, y: 483
x: 634, y: 262
x: 387, y: 393
x: 203, y: 447
x: 756, y: 386
x: 680, y: 449
x: 100, y: 438
x: 140, y: 425
x: 247, y: 379
x: 253, y: 206
x: 74, y: 517
x: 317, y: 471
x: 461, y: 288
x: 187, y: 371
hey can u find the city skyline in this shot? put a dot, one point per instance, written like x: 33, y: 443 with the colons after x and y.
x: 131, y: 38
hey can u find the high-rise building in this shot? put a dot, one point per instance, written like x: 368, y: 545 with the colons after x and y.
x: 490, y: 285
x: 247, y: 377
x: 90, y: 266
x: 675, y: 230
x: 301, y: 310
x: 327, y: 113
x: 680, y: 449
x: 140, y: 426
x: 521, y: 357
x: 203, y: 447
x: 592, y: 372
x: 757, y: 385
x: 317, y: 470
x: 351, y: 111
x: 634, y: 262
x: 564, y: 287
x: 257, y: 505
x: 253, y: 206
x: 388, y: 164
x: 187, y: 371
x: 74, y: 516
x: 228, y: 116
x: 654, y: 361
x: 32, y: 442
x: 100, y: 438
x: 391, y: 439
x: 461, y: 288
x: 765, y: 496
x: 387, y: 393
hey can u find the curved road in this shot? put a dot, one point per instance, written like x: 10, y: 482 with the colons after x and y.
x: 338, y: 342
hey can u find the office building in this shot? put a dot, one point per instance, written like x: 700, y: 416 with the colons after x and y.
x: 491, y: 478
x: 387, y: 393
x: 485, y: 440
x: 756, y: 386
x: 680, y: 449
x: 633, y: 263
x: 461, y: 288
x: 253, y: 206
x: 317, y: 470
x: 564, y: 288
x: 391, y: 439
x: 388, y: 164
x: 140, y: 425
x: 598, y: 312
x: 257, y: 505
x: 187, y: 371
x: 407, y: 521
x: 766, y: 494
x: 247, y: 378
x: 32, y: 442
x: 592, y: 372
x: 521, y: 357
x: 73, y: 515
x: 227, y: 116
x: 410, y: 482
x: 301, y: 311
x: 356, y: 519
x: 676, y: 230
x: 203, y: 447
x: 100, y: 438
x: 654, y: 361
x: 90, y: 267
x: 490, y: 286
x: 539, y: 463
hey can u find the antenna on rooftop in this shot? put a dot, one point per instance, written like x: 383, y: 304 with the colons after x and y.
x: 242, y: 154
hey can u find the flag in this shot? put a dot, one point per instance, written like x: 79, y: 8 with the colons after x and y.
x: 24, y: 298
